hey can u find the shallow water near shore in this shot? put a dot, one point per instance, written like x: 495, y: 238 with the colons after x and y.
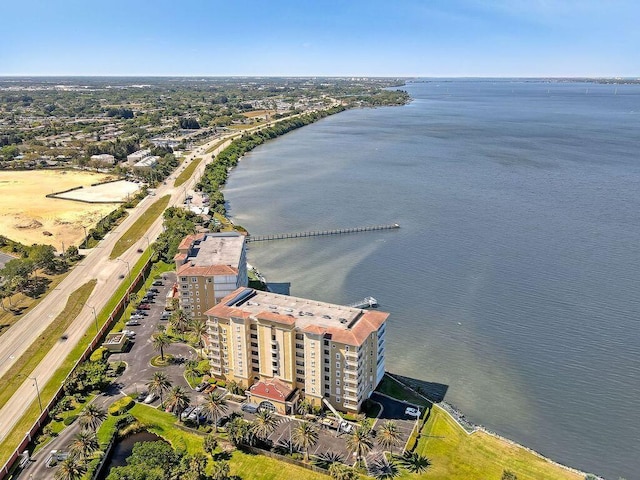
x: 514, y: 277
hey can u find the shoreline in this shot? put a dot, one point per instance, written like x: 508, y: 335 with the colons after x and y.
x: 455, y: 414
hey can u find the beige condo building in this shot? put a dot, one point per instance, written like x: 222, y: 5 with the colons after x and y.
x: 282, y: 348
x: 209, y: 266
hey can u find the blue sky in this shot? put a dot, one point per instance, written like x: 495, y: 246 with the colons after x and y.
x: 316, y: 37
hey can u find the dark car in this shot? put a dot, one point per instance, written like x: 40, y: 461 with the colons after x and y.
x: 154, y: 290
x: 202, y: 386
x: 157, y: 283
x: 144, y: 306
x: 222, y: 421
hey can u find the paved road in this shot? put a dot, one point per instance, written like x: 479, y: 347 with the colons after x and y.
x: 95, y: 265
x: 4, y: 258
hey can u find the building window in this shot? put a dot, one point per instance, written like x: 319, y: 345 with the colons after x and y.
x: 299, y: 345
x: 194, y: 279
x: 326, y: 352
x: 337, y: 364
x: 326, y: 343
x: 337, y: 391
x: 338, y: 400
x: 327, y: 378
x: 313, y: 390
x: 338, y: 383
x: 255, y: 337
x: 337, y: 356
x: 183, y: 279
x: 326, y: 369
x: 254, y: 344
x: 337, y: 373
x: 299, y: 336
x: 300, y: 372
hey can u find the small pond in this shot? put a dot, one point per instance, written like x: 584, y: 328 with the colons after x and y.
x: 123, y: 448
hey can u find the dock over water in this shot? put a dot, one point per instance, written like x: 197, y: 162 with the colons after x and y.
x: 318, y: 233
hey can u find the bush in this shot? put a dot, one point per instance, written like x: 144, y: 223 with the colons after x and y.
x: 69, y: 420
x: 221, y: 383
x: 128, y: 419
x: 99, y: 354
x: 121, y: 406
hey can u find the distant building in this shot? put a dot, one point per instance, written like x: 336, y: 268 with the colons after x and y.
x: 277, y: 345
x: 104, y: 158
x: 135, y: 157
x: 146, y: 162
x: 209, y: 267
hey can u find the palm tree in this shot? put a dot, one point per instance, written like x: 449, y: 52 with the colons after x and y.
x: 389, y: 435
x: 414, y: 462
x: 326, y: 459
x: 178, y: 400
x: 240, y: 431
x: 210, y: 444
x: 70, y: 469
x: 338, y: 471
x: 264, y: 424
x: 198, y: 464
x: 191, y: 371
x: 198, y: 327
x: 159, y: 384
x: 91, y: 417
x: 360, y: 442
x: 179, y: 320
x: 160, y: 341
x: 383, y: 469
x: 305, y: 435
x: 84, y: 445
x: 305, y: 407
x: 220, y: 470
x: 214, y: 407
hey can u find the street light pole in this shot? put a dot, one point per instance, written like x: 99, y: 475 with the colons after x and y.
x: 95, y: 317
x: 86, y: 238
x: 128, y: 269
x: 37, y: 390
x: 148, y: 243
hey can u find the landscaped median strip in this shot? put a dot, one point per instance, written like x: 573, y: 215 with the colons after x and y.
x: 187, y: 172
x: 13, y: 439
x: 140, y: 227
x: 34, y: 354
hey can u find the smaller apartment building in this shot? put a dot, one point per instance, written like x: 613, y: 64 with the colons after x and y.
x: 209, y: 266
x: 282, y: 346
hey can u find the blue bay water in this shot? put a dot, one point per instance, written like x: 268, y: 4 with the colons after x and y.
x: 514, y: 278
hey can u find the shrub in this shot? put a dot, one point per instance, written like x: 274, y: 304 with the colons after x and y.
x: 221, y: 383
x: 121, y: 406
x: 99, y: 354
x: 69, y: 420
x: 128, y: 419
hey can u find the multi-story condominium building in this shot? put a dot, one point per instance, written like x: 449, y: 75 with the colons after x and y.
x: 209, y: 267
x: 282, y: 348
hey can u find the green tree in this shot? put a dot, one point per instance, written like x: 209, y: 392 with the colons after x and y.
x: 214, y: 407
x: 84, y: 445
x: 360, y: 442
x: 178, y: 400
x: 191, y: 371
x: 210, y: 444
x: 220, y: 470
x: 198, y: 327
x: 179, y: 321
x: 305, y: 435
x: 159, y: 384
x: 91, y: 417
x: 509, y: 475
x: 44, y: 257
x: 160, y: 341
x: 264, y: 424
x: 70, y: 469
x: 388, y: 435
x: 414, y: 462
x: 305, y: 407
x: 338, y: 471
x: 239, y: 431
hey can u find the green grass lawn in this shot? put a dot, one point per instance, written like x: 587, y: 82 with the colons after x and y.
x: 139, y: 228
x: 187, y: 172
x: 456, y: 455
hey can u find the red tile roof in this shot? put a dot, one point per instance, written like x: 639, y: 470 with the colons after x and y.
x: 273, y: 389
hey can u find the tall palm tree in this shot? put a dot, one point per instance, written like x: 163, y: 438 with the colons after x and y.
x: 305, y: 435
x: 84, y: 445
x: 220, y: 471
x: 214, y: 407
x: 360, y: 442
x: 70, y: 469
x: 178, y: 400
x: 179, y: 320
x: 91, y: 417
x: 264, y: 424
x: 191, y: 370
x: 389, y: 435
x: 237, y: 429
x: 160, y: 341
x: 198, y: 327
x: 159, y: 384
x: 383, y: 469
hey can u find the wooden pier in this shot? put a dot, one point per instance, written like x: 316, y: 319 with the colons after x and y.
x: 339, y: 231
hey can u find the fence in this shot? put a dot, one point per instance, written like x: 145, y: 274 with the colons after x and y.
x: 113, y: 316
x: 283, y: 458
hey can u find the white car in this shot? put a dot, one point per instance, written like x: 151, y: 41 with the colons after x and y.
x: 412, y: 412
x: 346, y: 427
x: 150, y: 398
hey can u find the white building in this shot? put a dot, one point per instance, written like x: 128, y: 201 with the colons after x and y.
x: 135, y: 157
x: 104, y: 158
x: 146, y: 162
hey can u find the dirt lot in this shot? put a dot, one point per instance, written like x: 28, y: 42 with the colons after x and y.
x: 26, y: 213
x: 107, y: 192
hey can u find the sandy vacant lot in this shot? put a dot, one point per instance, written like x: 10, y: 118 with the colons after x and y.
x: 107, y: 192
x: 25, y: 211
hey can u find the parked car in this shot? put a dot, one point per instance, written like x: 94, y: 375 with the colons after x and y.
x: 154, y: 290
x: 139, y: 312
x: 152, y: 397
x: 165, y: 315
x: 196, y: 414
x: 129, y: 333
x: 202, y: 386
x: 141, y: 396
x: 157, y: 283
x: 222, y: 421
x: 186, y: 412
x: 249, y: 407
x: 132, y: 323
x: 346, y: 427
x: 144, y: 306
x: 412, y: 412
x: 136, y: 316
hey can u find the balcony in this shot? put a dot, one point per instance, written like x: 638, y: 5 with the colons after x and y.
x: 350, y: 398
